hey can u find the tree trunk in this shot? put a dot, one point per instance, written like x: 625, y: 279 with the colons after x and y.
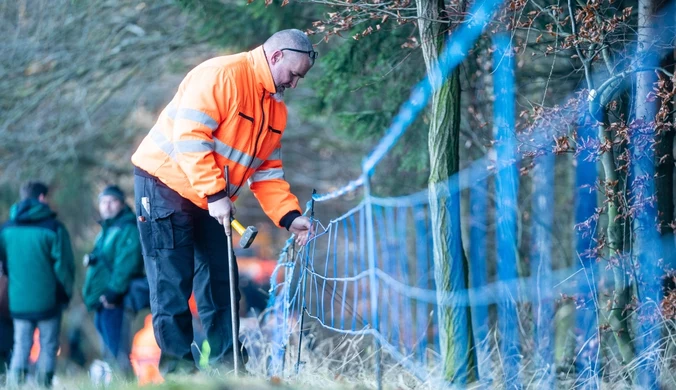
x: 614, y: 187
x: 617, y: 317
x: 450, y: 264
x: 564, y: 319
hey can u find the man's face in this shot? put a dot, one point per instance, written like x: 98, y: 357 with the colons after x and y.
x: 109, y: 206
x: 288, y: 68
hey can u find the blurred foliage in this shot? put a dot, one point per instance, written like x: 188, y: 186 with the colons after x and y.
x: 362, y: 86
x: 240, y: 25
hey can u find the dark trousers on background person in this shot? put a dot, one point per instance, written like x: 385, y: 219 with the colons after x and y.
x: 6, y: 342
x: 184, y: 250
x: 114, y: 326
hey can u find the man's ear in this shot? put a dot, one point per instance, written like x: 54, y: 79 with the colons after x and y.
x: 276, y: 56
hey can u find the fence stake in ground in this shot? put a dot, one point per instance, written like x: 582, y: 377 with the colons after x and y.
x: 285, y: 309
x: 304, y: 277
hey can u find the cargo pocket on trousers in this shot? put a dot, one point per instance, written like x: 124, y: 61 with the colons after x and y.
x: 162, y: 229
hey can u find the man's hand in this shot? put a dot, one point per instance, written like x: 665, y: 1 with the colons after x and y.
x: 222, y: 210
x: 302, y: 228
x: 105, y: 302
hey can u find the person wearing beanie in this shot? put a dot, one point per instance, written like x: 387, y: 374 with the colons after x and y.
x: 113, y: 191
x: 112, y: 266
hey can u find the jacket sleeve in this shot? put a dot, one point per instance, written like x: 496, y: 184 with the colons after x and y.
x: 64, y: 262
x: 271, y: 190
x: 126, y: 263
x: 204, y: 104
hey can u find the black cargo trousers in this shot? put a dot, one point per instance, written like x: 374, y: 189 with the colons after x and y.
x: 184, y: 250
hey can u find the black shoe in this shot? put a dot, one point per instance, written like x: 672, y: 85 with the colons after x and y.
x: 45, y: 379
x: 178, y: 366
x: 16, y: 377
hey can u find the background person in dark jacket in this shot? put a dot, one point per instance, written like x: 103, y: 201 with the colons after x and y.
x: 39, y: 258
x: 112, y: 265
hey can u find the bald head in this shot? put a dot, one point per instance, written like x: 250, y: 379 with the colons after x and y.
x: 292, y: 38
x: 290, y: 56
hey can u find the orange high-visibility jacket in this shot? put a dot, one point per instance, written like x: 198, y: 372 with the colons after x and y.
x: 223, y: 114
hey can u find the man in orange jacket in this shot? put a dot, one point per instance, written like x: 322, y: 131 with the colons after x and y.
x: 228, y: 111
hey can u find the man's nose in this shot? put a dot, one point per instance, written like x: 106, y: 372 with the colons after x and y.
x: 294, y: 82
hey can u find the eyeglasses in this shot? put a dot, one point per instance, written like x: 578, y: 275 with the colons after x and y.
x: 313, y: 54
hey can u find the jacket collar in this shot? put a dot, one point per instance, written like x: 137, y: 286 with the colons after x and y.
x: 261, y: 69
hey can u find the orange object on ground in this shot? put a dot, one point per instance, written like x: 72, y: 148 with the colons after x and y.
x: 223, y: 114
x: 258, y: 270
x: 145, y: 355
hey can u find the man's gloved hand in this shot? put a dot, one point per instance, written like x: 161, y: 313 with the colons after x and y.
x: 222, y: 210
x: 302, y: 228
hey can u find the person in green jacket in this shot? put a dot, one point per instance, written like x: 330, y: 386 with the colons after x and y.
x: 37, y: 252
x: 112, y: 266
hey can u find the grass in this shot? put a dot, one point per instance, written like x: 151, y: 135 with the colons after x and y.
x: 347, y: 363
x: 330, y: 361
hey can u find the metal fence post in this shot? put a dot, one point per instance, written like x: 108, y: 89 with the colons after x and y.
x: 304, y: 276
x: 371, y: 245
x: 287, y: 304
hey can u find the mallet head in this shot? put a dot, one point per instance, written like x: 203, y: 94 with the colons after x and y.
x: 248, y: 237
x: 248, y: 234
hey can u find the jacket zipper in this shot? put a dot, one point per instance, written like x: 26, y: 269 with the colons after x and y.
x: 260, y: 131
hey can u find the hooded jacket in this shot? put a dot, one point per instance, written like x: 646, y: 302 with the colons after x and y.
x: 37, y: 252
